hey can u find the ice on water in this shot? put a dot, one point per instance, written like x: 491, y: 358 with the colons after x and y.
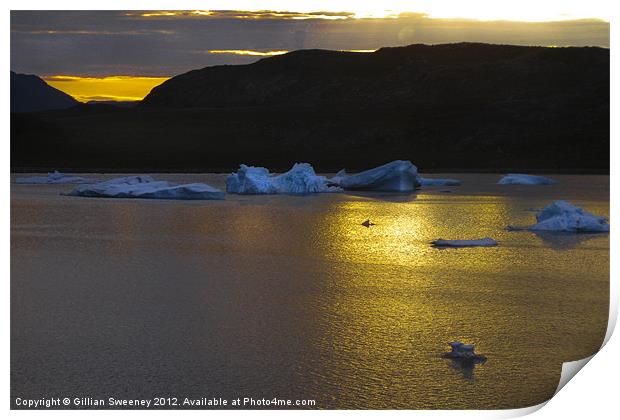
x: 144, y: 186
x: 562, y: 216
x: 54, y: 178
x: 396, y: 176
x: 301, y: 179
x: 524, y: 179
x: 438, y: 182
x: 460, y: 243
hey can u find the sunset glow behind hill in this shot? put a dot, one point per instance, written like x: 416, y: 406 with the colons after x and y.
x: 109, y: 88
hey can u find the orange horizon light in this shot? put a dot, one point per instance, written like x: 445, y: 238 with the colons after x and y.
x: 113, y: 88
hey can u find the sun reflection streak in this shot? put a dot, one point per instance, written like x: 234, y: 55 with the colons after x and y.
x: 404, y: 230
x: 389, y: 316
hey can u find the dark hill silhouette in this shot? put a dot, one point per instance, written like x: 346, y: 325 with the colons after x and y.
x: 30, y: 93
x: 452, y: 107
x: 439, y: 77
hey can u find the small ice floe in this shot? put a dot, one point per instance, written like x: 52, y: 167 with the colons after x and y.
x: 144, y: 186
x: 438, y: 182
x: 301, y: 179
x: 464, y: 352
x: 524, y: 179
x: 54, y: 178
x: 396, y: 176
x: 460, y: 243
x: 367, y: 223
x: 561, y: 216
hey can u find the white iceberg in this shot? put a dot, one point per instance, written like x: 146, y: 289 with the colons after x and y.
x: 396, y: 176
x: 144, y: 186
x: 561, y: 216
x: 523, y: 179
x: 54, y: 178
x: 438, y: 182
x: 301, y: 179
x: 461, y: 243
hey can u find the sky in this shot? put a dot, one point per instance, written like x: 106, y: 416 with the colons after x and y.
x: 121, y: 55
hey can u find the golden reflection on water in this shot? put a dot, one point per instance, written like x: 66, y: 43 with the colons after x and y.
x: 404, y: 230
x: 396, y: 301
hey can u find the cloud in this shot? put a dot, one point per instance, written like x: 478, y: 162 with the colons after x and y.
x: 239, y: 14
x: 93, y: 33
x: 100, y: 43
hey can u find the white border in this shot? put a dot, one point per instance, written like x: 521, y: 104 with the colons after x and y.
x: 593, y: 394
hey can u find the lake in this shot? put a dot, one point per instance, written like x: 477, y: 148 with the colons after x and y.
x: 291, y: 297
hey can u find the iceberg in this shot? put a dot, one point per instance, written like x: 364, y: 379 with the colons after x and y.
x: 460, y: 243
x: 301, y: 179
x: 561, y: 216
x: 438, y: 182
x: 144, y: 186
x: 54, y: 178
x: 396, y: 176
x: 523, y: 179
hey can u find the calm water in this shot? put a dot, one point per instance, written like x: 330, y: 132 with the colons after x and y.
x: 290, y: 297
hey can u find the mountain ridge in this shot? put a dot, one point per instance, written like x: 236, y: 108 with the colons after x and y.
x: 452, y: 107
x: 30, y: 93
x: 389, y: 77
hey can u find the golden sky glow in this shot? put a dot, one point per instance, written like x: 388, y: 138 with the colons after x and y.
x: 359, y: 51
x: 269, y: 53
x: 244, y: 14
x: 249, y: 52
x: 116, y: 88
x: 164, y: 13
x: 523, y: 11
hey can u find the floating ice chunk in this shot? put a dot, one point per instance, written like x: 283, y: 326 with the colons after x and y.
x: 561, y: 216
x: 460, y: 243
x: 54, y: 178
x: 523, y: 179
x: 464, y: 351
x: 396, y: 176
x: 339, y: 176
x: 144, y: 186
x: 301, y: 179
x: 438, y: 182
x: 250, y: 180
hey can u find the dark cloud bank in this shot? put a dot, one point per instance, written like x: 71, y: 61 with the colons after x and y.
x: 98, y: 43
